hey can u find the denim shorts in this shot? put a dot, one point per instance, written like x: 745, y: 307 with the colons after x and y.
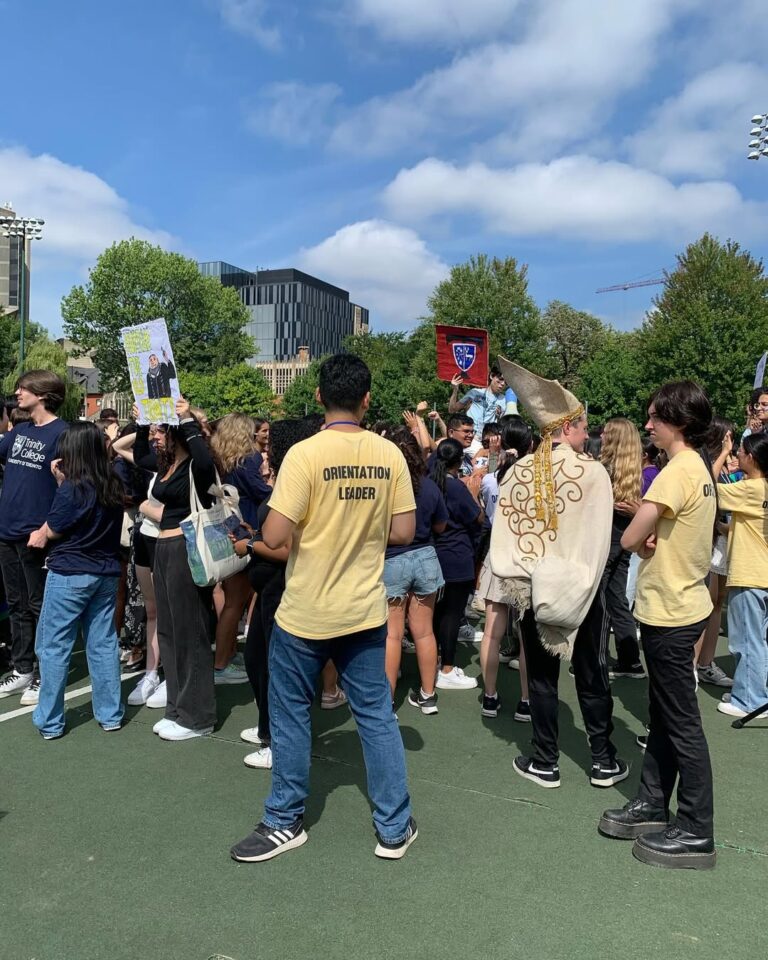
x: 417, y: 571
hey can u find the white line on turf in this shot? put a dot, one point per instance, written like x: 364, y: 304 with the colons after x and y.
x: 79, y: 692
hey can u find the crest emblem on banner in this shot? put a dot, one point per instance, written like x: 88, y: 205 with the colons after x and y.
x: 464, y: 354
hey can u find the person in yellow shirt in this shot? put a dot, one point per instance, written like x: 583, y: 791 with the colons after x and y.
x: 747, y: 500
x: 672, y: 531
x: 339, y: 499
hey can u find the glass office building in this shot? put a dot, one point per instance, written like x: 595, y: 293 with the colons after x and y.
x: 290, y: 310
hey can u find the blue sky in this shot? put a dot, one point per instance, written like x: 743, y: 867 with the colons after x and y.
x: 377, y: 142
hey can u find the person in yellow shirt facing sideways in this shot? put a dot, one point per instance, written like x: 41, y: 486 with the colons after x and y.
x: 339, y: 499
x: 747, y: 501
x: 673, y: 532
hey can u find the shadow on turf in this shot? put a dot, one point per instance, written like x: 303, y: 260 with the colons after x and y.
x: 337, y: 761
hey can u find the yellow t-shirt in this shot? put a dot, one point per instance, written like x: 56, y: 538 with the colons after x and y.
x: 671, y: 591
x: 747, y: 501
x: 341, y: 490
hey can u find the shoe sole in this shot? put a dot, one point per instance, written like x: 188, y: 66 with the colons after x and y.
x: 626, y: 831
x: 717, y: 683
x: 156, y: 706
x: 298, y: 841
x: 616, y: 778
x: 257, y: 766
x: 548, y: 785
x: 193, y: 736
x: 427, y: 711
x: 489, y: 713
x: 225, y: 683
x: 33, y: 701
x: 385, y: 853
x: 257, y: 742
x: 612, y: 675
x: 333, y: 706
x: 522, y: 718
x: 674, y: 861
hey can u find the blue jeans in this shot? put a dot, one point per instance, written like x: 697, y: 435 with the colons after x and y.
x: 294, y: 667
x: 747, y: 625
x: 83, y: 600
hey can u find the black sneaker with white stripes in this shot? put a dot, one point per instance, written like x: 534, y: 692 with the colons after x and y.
x: 396, y: 851
x: 606, y: 775
x: 545, y: 776
x: 268, y: 842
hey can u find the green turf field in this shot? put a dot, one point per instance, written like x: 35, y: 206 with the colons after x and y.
x: 116, y: 846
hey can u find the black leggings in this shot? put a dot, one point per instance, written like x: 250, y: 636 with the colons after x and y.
x: 449, y: 611
x: 256, y: 655
x: 622, y: 621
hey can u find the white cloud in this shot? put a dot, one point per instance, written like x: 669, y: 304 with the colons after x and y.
x: 386, y: 268
x: 705, y: 128
x: 82, y: 213
x: 294, y: 113
x: 553, y: 87
x: 573, y: 198
x: 440, y: 20
x: 247, y: 17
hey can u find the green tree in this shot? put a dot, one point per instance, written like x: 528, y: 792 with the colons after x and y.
x: 240, y: 389
x: 10, y: 338
x: 573, y: 337
x: 611, y: 379
x: 46, y: 354
x: 299, y: 398
x: 710, y: 324
x: 389, y: 357
x: 133, y: 282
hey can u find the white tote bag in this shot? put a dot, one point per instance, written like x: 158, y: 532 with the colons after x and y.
x: 210, y: 552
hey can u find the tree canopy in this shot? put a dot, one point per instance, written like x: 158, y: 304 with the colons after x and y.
x: 133, y: 282
x: 240, y: 388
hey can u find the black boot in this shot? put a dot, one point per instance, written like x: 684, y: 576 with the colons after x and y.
x: 676, y: 849
x: 633, y: 820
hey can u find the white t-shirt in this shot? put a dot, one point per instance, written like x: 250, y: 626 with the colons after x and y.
x: 489, y: 494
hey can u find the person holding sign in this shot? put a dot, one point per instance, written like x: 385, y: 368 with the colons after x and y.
x: 159, y: 376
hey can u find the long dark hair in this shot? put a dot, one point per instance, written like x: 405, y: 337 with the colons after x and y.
x: 406, y: 443
x: 84, y: 460
x: 515, y: 435
x: 448, y: 456
x: 684, y: 405
x: 756, y: 445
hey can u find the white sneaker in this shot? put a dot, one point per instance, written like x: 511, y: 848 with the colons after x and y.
x: 330, y: 701
x: 725, y: 706
x: 251, y: 735
x: 455, y: 680
x: 261, y: 759
x: 32, y: 694
x: 161, y: 725
x: 230, y: 674
x: 159, y: 698
x: 175, y: 731
x: 15, y: 683
x: 143, y: 690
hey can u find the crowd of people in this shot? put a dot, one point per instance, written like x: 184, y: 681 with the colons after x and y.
x: 359, y: 543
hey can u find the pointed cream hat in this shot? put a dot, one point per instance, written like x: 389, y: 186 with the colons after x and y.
x: 550, y: 405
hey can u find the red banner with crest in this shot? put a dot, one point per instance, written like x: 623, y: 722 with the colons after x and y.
x: 462, y: 350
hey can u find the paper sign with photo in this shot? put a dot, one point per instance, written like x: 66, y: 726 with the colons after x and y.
x: 152, y: 371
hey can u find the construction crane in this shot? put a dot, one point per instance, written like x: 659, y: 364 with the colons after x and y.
x: 629, y: 285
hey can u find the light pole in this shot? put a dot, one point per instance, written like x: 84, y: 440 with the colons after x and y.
x: 24, y: 229
x: 758, y: 143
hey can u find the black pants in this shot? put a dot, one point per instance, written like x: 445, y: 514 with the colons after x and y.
x: 256, y: 655
x: 449, y: 611
x: 184, y: 635
x: 24, y: 578
x: 620, y: 616
x: 677, y: 747
x: 592, y: 688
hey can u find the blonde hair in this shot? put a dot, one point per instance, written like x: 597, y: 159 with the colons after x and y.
x: 622, y: 457
x: 233, y: 441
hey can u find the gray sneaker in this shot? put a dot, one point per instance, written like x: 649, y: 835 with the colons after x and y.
x: 467, y: 633
x: 714, y: 675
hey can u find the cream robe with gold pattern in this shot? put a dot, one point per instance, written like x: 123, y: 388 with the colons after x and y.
x: 556, y: 572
